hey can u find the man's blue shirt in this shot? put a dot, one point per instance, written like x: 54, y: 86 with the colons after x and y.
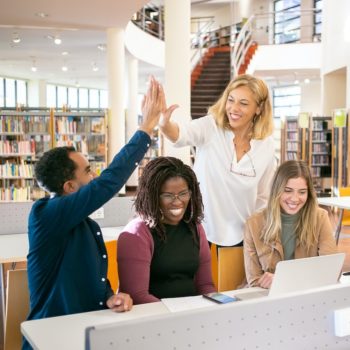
x: 67, y: 260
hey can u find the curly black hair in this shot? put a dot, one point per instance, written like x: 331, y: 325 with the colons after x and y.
x: 147, y: 203
x: 55, y: 168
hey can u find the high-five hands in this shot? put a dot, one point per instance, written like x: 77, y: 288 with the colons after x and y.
x: 152, y: 106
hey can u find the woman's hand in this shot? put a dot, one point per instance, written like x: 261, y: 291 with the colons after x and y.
x: 265, y: 280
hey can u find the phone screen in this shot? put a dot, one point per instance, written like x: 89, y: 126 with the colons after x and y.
x: 219, y: 298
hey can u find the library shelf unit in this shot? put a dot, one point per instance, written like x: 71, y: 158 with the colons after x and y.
x: 26, y: 135
x: 293, y: 144
x: 340, y: 155
x: 320, y: 153
x: 86, y: 131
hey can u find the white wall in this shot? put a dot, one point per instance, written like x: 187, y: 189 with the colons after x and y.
x: 288, y: 56
x: 310, y: 98
x: 336, y: 53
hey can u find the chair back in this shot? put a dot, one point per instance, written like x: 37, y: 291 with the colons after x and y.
x: 345, y: 191
x: 231, y: 273
x: 112, y: 273
x: 17, y: 307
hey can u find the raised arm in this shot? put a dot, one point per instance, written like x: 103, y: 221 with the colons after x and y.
x: 169, y: 128
x: 152, y: 105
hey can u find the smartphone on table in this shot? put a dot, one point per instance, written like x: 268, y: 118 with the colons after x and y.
x: 219, y: 298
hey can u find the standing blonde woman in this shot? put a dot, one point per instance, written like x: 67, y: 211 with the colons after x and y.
x: 235, y: 159
x: 291, y: 227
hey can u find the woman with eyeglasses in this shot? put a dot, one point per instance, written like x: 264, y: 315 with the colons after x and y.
x: 291, y: 227
x: 164, y: 253
x: 235, y: 159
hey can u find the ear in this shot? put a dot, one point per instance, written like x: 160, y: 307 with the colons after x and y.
x: 258, y: 111
x: 69, y: 187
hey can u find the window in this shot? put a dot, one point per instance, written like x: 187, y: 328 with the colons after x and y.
x: 318, y: 19
x: 21, y: 87
x: 73, y: 97
x: 61, y: 96
x: 10, y: 93
x: 83, y: 98
x: 286, y: 21
x: 51, y: 96
x: 103, y: 99
x: 93, y: 98
x: 286, y: 101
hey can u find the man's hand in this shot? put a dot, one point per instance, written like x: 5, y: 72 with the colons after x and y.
x: 152, y: 106
x: 265, y: 280
x: 120, y: 302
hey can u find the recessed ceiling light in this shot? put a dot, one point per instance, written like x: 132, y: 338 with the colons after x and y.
x: 95, y: 68
x: 102, y: 47
x: 57, y: 40
x: 65, y: 53
x: 64, y: 68
x: 41, y: 14
x: 15, y: 38
x: 34, y: 68
x: 306, y: 80
x: 296, y: 81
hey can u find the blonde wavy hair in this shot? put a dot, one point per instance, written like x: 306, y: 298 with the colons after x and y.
x: 262, y: 123
x: 306, y: 225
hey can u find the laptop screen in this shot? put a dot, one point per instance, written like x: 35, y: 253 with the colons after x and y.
x: 306, y: 273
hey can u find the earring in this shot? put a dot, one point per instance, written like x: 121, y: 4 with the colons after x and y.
x: 162, y: 215
x: 191, y: 216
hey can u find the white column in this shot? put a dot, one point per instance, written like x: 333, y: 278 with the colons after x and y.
x: 132, y: 112
x: 178, y: 67
x: 115, y: 64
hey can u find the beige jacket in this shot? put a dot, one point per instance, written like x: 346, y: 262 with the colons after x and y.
x: 260, y: 258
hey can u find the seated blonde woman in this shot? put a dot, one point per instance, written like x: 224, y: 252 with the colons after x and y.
x: 291, y: 227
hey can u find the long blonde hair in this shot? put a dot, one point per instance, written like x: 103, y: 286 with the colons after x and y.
x: 262, y: 123
x: 306, y: 225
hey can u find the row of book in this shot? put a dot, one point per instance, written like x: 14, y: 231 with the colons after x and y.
x: 8, y: 147
x: 8, y: 170
x: 73, y: 125
x: 24, y: 124
x: 18, y: 194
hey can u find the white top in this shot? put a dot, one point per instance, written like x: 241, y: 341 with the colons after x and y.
x: 229, y: 198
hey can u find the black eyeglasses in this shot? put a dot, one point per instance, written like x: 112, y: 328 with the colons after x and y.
x: 248, y: 170
x: 170, y: 197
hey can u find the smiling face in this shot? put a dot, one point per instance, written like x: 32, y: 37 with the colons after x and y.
x: 241, y: 108
x: 174, y: 198
x: 294, y: 195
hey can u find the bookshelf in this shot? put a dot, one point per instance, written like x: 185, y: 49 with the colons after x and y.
x: 293, y: 140
x: 86, y: 132
x: 24, y: 136
x: 340, y: 142
x: 320, y: 153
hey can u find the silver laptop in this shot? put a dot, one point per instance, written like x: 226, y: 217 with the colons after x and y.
x: 301, y: 274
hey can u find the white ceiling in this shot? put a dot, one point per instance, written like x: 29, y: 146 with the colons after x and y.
x: 81, y: 24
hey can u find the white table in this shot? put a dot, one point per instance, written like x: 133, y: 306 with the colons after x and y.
x: 14, y: 248
x: 47, y: 333
x: 339, y: 202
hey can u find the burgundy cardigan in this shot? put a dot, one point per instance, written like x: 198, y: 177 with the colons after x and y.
x: 135, y: 251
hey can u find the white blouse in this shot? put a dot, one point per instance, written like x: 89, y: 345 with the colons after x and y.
x: 232, y: 191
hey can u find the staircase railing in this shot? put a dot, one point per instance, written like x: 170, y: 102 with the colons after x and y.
x: 241, y: 45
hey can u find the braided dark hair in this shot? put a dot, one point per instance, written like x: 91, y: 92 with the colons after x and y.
x: 147, y: 203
